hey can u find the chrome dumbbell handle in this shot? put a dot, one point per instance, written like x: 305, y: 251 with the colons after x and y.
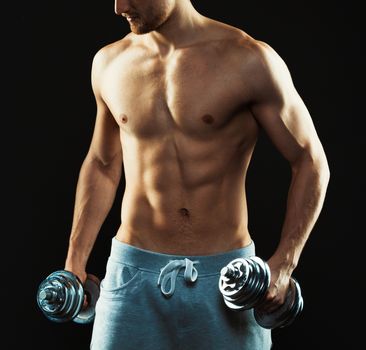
x: 50, y: 295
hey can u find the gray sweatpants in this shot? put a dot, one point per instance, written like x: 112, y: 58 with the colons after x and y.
x: 154, y: 301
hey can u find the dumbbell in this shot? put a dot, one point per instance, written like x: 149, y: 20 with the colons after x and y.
x: 61, y: 297
x: 244, y: 282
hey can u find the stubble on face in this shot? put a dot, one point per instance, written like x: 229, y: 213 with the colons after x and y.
x: 153, y: 17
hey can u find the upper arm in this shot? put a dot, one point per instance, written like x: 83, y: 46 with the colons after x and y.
x: 279, y: 109
x: 105, y: 144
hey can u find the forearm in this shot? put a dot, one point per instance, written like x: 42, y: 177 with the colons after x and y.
x: 95, y: 194
x: 304, y: 203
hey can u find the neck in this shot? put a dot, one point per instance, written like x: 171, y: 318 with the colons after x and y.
x: 179, y: 28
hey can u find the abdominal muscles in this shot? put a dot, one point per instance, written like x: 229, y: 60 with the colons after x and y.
x: 185, y: 196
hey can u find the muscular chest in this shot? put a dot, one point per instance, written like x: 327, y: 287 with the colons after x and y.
x: 191, y: 92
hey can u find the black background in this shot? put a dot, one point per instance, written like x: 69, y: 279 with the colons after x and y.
x: 49, y: 117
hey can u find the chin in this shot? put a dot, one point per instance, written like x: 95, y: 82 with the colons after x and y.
x: 140, y: 30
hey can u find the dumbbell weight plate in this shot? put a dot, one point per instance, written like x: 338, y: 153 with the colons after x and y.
x: 297, y: 306
x: 92, y: 291
x: 67, y: 297
x: 260, y: 281
x: 230, y: 287
x: 241, y: 292
x: 286, y: 313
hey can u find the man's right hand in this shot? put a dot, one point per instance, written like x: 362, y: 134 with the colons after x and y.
x: 82, y: 275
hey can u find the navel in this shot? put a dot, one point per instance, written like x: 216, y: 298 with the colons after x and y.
x: 123, y: 118
x: 184, y: 212
x: 208, y: 119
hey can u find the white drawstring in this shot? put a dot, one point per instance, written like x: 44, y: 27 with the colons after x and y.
x: 170, y: 272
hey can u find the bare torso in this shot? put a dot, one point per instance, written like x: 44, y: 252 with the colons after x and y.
x: 187, y: 136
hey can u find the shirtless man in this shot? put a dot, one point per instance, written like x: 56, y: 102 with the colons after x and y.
x: 180, y: 101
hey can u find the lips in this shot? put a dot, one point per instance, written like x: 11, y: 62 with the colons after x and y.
x: 130, y: 18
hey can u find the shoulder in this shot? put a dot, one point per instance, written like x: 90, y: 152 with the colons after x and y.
x: 256, y: 54
x: 256, y: 63
x: 265, y: 57
x: 262, y: 60
x: 260, y: 64
x: 105, y: 57
x: 108, y: 53
x: 241, y: 46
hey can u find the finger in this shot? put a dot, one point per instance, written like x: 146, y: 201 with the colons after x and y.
x: 264, y: 304
x: 85, y: 303
x: 273, y: 307
x: 95, y: 279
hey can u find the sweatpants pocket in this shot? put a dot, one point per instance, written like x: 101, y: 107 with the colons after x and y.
x: 120, y: 279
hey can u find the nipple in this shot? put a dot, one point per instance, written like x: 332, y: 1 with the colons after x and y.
x: 123, y: 118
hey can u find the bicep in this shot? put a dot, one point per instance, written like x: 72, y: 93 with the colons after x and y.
x: 289, y: 127
x: 281, y: 112
x: 105, y: 144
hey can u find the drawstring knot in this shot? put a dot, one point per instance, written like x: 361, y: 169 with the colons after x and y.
x: 170, y: 271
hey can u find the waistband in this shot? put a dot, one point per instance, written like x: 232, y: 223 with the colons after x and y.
x: 153, y: 261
